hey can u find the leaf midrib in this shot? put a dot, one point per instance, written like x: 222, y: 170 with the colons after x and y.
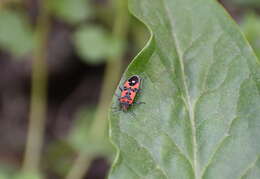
x: 188, y: 104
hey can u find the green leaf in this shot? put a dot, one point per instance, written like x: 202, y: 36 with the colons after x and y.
x: 79, y: 133
x: 251, y: 28
x: 81, y: 139
x: 15, y: 33
x: 95, y: 45
x: 58, y: 157
x: 71, y: 11
x: 201, y: 86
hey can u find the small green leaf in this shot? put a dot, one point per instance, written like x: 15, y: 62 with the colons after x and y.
x: 95, y: 45
x: 78, y: 136
x: 251, y: 28
x: 201, y: 86
x: 70, y: 11
x: 59, y: 157
x: 15, y: 33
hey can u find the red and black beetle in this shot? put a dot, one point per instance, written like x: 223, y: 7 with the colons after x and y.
x: 130, y: 88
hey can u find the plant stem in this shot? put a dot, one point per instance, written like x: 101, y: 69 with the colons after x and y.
x: 110, y: 80
x: 38, y: 103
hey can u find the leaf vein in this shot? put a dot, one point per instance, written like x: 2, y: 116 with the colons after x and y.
x: 188, y: 100
x: 181, y: 151
x: 219, y: 145
x: 249, y: 167
x: 150, y: 155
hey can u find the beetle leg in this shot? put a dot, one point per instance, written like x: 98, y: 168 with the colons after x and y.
x: 117, y: 95
x: 141, y: 81
x: 141, y: 84
x: 139, y: 102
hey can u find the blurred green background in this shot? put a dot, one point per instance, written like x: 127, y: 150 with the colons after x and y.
x: 60, y: 62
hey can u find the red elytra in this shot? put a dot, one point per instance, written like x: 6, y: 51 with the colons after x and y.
x: 128, y: 93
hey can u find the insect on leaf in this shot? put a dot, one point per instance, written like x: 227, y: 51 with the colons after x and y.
x: 202, y: 93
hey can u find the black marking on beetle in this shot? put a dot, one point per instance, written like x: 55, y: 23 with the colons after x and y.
x: 133, y: 80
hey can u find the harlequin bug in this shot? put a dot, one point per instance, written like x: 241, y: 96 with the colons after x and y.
x: 130, y: 88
